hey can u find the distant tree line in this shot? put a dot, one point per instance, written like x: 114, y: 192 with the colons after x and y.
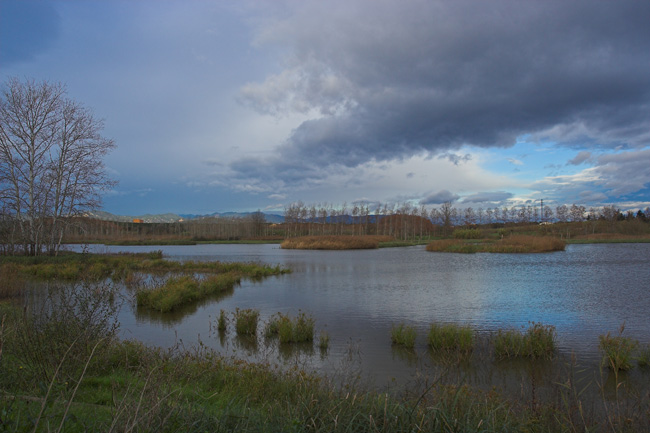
x: 214, y: 228
x: 408, y: 221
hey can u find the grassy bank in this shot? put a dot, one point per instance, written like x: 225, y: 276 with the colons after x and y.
x: 334, y: 242
x: 510, y: 244
x: 184, y: 289
x: 76, y: 266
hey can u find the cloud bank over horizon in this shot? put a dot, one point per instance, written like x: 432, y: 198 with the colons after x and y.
x: 246, y: 105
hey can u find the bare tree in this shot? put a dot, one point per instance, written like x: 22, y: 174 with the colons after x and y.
x: 51, y: 161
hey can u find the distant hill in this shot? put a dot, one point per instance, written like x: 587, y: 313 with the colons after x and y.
x: 172, y: 217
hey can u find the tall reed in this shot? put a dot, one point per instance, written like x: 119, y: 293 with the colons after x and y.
x: 618, y: 351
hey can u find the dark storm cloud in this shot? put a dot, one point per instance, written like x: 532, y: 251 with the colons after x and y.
x: 439, y: 197
x: 27, y: 28
x: 402, y: 78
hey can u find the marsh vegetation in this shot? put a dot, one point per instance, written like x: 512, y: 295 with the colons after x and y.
x: 65, y: 370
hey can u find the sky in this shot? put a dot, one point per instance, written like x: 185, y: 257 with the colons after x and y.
x: 218, y: 106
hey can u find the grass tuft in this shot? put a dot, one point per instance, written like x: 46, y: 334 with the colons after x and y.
x: 246, y: 321
x: 324, y: 340
x: 403, y: 335
x: 537, y: 342
x: 222, y: 322
x: 451, y: 338
x: 288, y: 330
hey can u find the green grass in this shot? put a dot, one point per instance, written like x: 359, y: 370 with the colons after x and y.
x: 537, y: 342
x: 467, y: 234
x: 403, y: 335
x: 451, y: 338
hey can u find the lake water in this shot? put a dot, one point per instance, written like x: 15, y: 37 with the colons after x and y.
x: 356, y: 296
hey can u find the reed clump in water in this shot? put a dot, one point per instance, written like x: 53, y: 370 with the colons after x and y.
x: 291, y: 330
x: 618, y: 351
x: 451, y: 338
x: 246, y: 321
x: 334, y: 242
x: 403, y: 335
x: 538, y: 342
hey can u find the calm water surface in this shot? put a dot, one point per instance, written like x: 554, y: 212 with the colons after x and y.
x: 356, y: 296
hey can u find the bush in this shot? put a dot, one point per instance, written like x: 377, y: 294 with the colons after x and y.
x: 403, y: 335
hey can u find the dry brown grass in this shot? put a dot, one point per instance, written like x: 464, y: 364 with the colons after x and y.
x: 334, y: 242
